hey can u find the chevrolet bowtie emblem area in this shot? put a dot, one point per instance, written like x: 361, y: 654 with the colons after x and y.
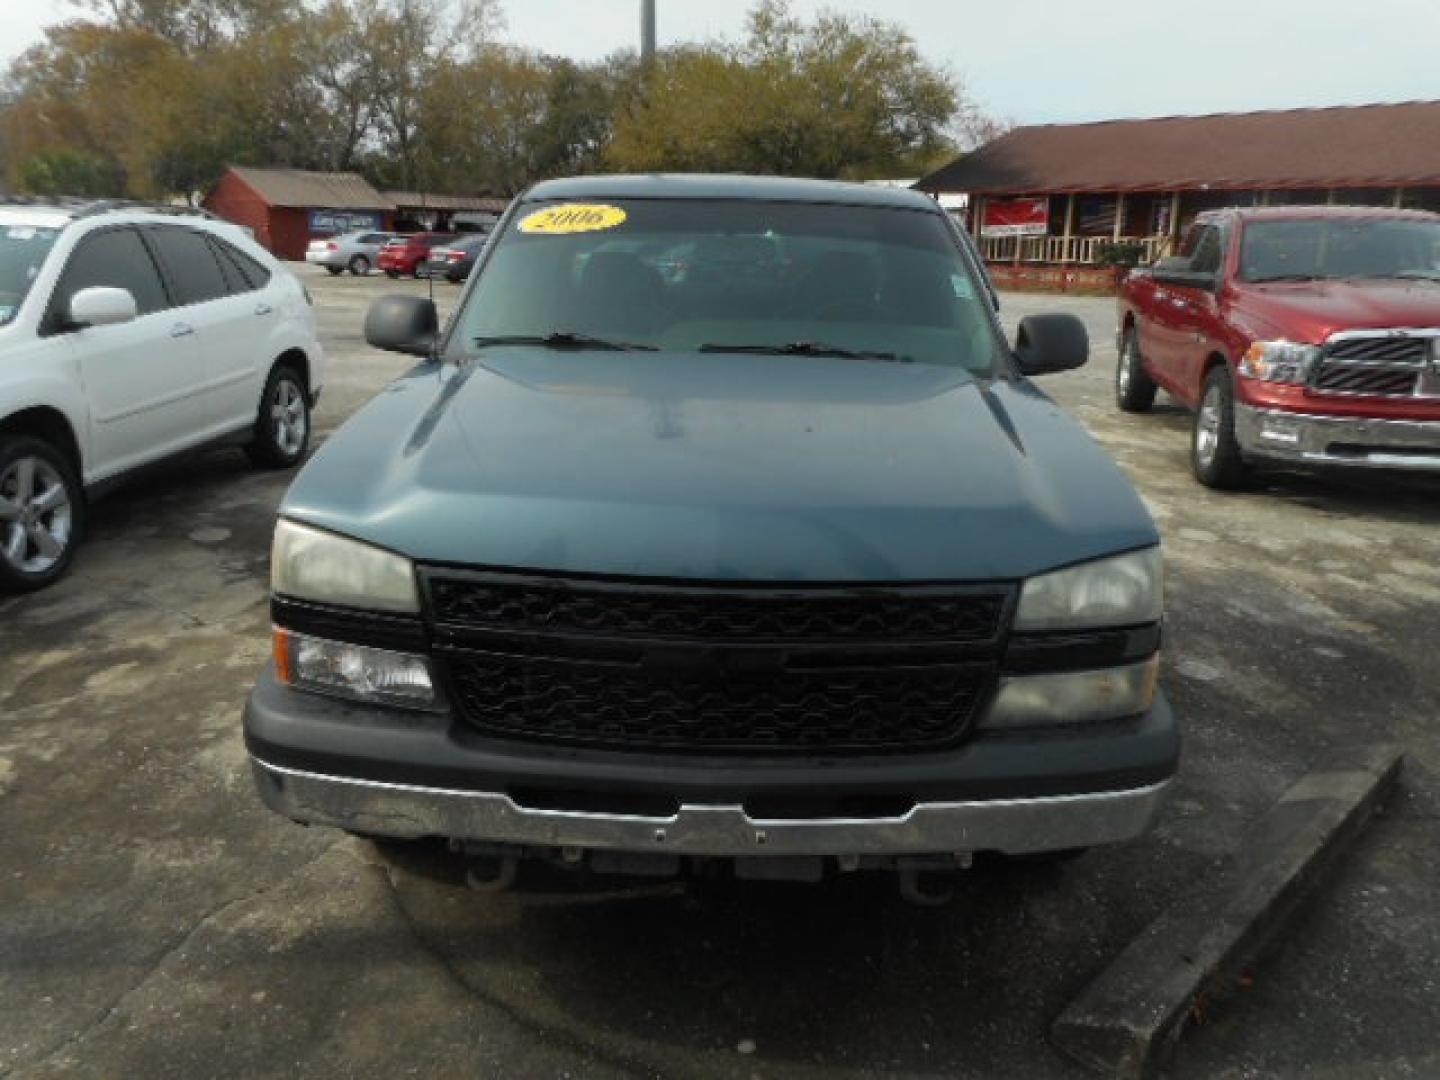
x: 709, y: 665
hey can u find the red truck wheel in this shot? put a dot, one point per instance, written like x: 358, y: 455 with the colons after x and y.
x: 1134, y: 389
x: 1214, y: 453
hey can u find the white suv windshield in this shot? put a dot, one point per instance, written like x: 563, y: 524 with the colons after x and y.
x: 23, y: 249
x: 686, y: 275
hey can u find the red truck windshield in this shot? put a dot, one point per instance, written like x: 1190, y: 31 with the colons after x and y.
x: 1309, y: 248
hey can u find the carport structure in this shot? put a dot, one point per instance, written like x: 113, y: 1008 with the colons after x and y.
x: 420, y: 210
x: 1061, y: 195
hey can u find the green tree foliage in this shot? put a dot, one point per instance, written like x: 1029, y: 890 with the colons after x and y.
x: 156, y: 97
x: 69, y: 172
x: 841, y: 96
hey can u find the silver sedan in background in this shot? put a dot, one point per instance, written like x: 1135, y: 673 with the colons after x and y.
x: 355, y: 251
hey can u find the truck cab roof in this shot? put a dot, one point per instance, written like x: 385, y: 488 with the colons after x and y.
x: 1292, y: 213
x: 757, y: 188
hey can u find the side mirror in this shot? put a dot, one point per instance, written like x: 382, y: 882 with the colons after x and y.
x: 1175, y: 270
x: 101, y: 305
x: 403, y: 324
x: 1053, y: 342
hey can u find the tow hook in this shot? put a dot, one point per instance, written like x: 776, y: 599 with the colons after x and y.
x: 491, y: 873
x: 918, y: 872
x: 913, y: 890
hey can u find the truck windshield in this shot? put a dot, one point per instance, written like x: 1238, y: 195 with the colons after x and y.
x: 720, y: 276
x: 22, y: 253
x: 1308, y: 248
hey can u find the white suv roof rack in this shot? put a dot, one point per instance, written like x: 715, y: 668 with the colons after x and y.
x: 78, y: 207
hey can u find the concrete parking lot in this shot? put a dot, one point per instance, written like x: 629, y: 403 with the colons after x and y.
x: 156, y: 921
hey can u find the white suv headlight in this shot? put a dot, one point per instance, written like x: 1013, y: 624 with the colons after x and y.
x: 311, y: 564
x: 1125, y: 590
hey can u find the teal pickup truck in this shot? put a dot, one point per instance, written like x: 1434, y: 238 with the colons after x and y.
x: 659, y: 557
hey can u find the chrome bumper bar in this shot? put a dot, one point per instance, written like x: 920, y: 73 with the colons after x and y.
x: 1363, y: 442
x: 404, y: 811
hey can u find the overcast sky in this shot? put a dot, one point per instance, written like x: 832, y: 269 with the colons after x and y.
x: 1041, y: 61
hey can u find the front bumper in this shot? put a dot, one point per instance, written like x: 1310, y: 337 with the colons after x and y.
x: 370, y: 770
x: 1011, y: 825
x: 325, y: 258
x: 1357, y: 442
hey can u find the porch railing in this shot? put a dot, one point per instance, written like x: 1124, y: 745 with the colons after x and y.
x: 1079, y: 250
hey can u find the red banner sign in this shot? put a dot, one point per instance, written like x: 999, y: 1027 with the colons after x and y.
x: 1016, y: 217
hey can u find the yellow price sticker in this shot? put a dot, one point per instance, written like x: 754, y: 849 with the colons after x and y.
x: 572, y: 218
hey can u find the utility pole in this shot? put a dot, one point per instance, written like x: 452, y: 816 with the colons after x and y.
x: 647, y: 31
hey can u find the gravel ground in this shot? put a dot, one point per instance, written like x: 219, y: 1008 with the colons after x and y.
x: 156, y: 921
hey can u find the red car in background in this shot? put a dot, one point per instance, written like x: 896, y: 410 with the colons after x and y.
x: 406, y: 254
x: 1299, y: 335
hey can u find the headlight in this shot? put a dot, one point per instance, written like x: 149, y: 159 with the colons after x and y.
x: 353, y: 671
x: 1074, y: 697
x: 1121, y: 591
x: 1279, y: 361
x: 309, y: 564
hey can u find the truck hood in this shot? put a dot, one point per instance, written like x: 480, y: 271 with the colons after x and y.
x: 721, y: 467
x: 1313, y: 310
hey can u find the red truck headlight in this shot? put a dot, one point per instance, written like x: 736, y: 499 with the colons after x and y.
x: 1279, y: 361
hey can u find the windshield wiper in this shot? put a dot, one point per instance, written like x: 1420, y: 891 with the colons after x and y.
x: 562, y: 339
x: 809, y: 348
x: 1286, y: 277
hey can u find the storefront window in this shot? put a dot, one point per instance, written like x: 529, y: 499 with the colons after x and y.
x: 1297, y: 197
x: 1364, y: 196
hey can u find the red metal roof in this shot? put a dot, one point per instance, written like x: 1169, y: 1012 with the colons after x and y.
x: 323, y: 190
x: 1355, y: 146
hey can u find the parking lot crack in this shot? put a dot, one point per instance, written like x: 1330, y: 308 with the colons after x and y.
x: 103, y: 1016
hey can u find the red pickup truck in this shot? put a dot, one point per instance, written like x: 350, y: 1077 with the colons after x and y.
x: 1302, y: 335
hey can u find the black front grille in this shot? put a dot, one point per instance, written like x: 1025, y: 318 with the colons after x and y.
x: 768, y: 670
x: 1388, y: 365
x: 717, y: 614
x: 598, y: 704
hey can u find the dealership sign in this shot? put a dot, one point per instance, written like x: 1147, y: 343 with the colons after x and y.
x: 344, y: 221
x: 1016, y: 217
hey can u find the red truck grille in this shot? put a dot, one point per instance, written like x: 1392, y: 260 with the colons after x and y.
x: 621, y: 665
x: 1389, y: 365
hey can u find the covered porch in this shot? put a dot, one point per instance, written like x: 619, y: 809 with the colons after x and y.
x: 1093, y: 229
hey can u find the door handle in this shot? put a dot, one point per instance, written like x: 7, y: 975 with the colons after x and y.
x: 263, y: 309
x: 181, y: 329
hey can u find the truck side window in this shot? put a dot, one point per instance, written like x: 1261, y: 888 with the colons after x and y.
x: 1208, y: 247
x: 1191, y: 239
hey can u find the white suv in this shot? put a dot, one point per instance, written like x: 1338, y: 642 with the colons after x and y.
x: 127, y: 335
